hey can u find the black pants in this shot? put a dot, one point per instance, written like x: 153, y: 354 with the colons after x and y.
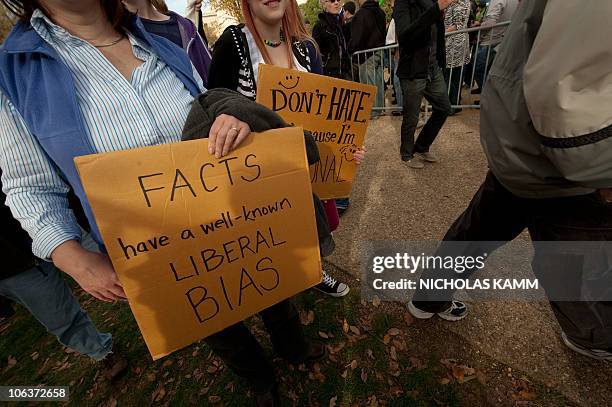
x: 453, y: 78
x: 246, y: 358
x: 496, y: 215
x: 434, y: 90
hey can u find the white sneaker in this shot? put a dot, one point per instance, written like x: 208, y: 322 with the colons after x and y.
x: 457, y: 311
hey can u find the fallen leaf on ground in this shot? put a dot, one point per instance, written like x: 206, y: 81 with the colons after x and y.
x: 393, y: 353
x: 214, y: 399
x: 376, y: 301
x: 345, y: 326
x: 332, y: 401
x: 444, y: 380
x: 159, y: 393
x: 354, y: 364
x: 11, y: 362
x: 525, y: 395
x: 307, y: 317
x: 393, y: 332
x: 323, y: 335
x: 355, y: 330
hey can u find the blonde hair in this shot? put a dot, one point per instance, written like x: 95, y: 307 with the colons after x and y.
x: 160, y: 5
x: 292, y: 25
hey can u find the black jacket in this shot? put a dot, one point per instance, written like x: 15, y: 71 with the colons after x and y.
x: 328, y: 34
x: 231, y: 66
x: 413, y: 22
x: 369, y: 27
x: 219, y: 101
x: 15, y: 244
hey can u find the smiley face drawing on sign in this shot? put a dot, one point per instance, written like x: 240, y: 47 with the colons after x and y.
x: 348, y: 151
x: 289, y: 79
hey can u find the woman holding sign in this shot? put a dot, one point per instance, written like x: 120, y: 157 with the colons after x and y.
x: 273, y: 33
x: 80, y: 77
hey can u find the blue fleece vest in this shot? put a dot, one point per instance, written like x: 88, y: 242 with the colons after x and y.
x: 40, y: 86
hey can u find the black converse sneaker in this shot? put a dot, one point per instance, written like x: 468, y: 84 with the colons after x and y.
x: 455, y: 312
x: 332, y: 287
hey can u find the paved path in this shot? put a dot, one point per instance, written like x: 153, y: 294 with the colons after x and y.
x: 391, y: 201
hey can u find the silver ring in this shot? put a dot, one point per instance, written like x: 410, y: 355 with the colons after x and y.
x: 235, y: 129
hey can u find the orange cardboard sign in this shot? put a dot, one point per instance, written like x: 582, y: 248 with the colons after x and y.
x: 201, y: 243
x: 334, y: 110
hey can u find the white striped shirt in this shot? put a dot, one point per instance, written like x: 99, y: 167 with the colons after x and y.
x: 118, y: 114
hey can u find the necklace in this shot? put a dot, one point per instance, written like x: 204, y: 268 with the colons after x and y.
x: 110, y: 44
x: 275, y: 44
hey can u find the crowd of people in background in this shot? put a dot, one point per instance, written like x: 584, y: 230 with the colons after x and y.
x: 156, y: 58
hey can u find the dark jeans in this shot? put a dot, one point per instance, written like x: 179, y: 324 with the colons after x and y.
x: 453, y: 77
x: 484, y: 60
x: 245, y: 357
x: 496, y: 215
x: 434, y: 90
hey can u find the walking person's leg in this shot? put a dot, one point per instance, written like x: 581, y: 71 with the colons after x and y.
x: 397, y: 87
x: 493, y: 216
x: 583, y: 276
x: 43, y: 291
x: 377, y: 80
x: 436, y: 94
x: 412, y: 94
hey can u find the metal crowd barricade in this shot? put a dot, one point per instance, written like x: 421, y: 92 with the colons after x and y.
x: 377, y: 66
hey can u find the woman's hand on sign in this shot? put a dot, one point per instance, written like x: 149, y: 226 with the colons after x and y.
x: 359, y: 155
x: 92, y: 271
x: 226, y: 134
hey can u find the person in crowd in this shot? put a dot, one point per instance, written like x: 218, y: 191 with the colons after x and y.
x: 457, y: 49
x: 419, y: 26
x: 112, y: 76
x: 40, y: 288
x: 348, y: 12
x: 498, y: 11
x: 157, y: 19
x: 368, y: 31
x: 272, y: 36
x: 391, y: 39
x: 546, y: 132
x: 328, y: 34
x: 193, y: 11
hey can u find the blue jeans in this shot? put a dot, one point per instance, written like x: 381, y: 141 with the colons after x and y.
x: 371, y: 72
x: 484, y: 60
x: 44, y: 292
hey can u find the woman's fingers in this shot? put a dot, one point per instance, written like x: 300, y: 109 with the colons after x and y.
x: 232, y: 135
x: 244, y: 132
x: 226, y: 133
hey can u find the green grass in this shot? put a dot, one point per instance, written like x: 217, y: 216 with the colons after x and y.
x: 184, y: 377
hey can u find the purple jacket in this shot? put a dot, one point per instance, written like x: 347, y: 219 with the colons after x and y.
x: 194, y: 46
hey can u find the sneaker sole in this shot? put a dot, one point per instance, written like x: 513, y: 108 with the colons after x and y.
x: 583, y: 352
x: 417, y: 313
x: 335, y: 295
x: 451, y: 317
x: 425, y: 159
